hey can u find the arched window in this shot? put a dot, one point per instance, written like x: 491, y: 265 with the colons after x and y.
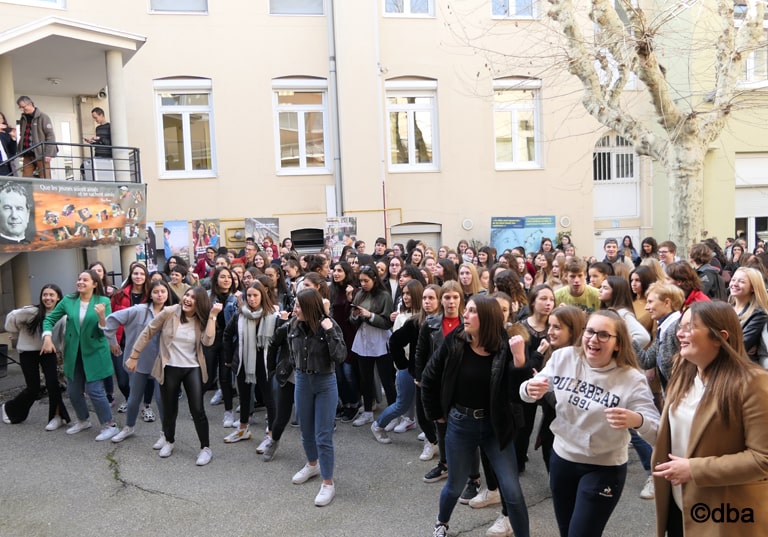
x: 614, y: 160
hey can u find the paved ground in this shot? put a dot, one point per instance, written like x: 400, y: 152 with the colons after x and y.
x: 53, y: 484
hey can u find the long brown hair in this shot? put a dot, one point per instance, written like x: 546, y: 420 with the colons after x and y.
x: 312, y: 309
x: 491, y: 334
x: 202, y: 306
x: 572, y: 317
x: 730, y: 371
x: 267, y: 302
x: 625, y: 356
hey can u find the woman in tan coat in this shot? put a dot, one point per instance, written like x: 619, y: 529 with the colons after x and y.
x: 711, y: 455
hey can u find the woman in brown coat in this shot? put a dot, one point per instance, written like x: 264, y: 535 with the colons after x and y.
x: 711, y: 455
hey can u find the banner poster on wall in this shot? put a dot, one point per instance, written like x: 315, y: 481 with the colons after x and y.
x: 340, y: 231
x: 150, y: 248
x: 264, y: 230
x: 527, y: 231
x: 176, y: 239
x: 53, y: 215
x: 205, y: 233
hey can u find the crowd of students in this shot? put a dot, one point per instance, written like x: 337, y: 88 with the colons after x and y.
x: 467, y: 344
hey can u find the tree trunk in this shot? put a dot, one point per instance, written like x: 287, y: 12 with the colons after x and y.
x: 685, y: 171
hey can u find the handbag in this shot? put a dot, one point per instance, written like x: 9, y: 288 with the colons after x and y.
x: 283, y: 371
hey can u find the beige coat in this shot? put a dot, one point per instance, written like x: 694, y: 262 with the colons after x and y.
x: 168, y: 322
x: 729, y: 464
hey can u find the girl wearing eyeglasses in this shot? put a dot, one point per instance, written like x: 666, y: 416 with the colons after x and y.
x: 600, y: 394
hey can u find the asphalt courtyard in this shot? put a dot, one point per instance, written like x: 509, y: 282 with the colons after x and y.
x: 59, y: 485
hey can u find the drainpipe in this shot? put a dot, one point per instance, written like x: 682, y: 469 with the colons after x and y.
x: 333, y: 95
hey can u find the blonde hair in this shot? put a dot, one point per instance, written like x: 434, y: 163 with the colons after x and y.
x: 653, y: 264
x: 474, y: 285
x: 666, y: 291
x: 759, y: 295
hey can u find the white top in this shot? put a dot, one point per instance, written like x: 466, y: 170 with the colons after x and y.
x: 83, y: 309
x: 680, y: 421
x: 182, y: 352
x: 582, y: 433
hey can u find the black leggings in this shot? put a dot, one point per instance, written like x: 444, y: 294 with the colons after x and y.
x: 522, y: 440
x: 426, y: 424
x: 262, y: 388
x: 192, y: 378
x: 386, y: 369
x: 283, y: 397
x: 31, y: 362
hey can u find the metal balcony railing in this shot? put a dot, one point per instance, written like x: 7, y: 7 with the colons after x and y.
x: 78, y: 162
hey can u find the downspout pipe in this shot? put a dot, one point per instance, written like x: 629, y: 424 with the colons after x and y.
x: 333, y: 95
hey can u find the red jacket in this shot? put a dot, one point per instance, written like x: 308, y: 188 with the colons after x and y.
x: 120, y: 301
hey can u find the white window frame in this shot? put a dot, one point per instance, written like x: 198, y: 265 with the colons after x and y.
x: 514, y: 16
x: 407, y: 10
x: 179, y: 11
x: 181, y: 86
x: 314, y: 85
x: 750, y: 82
x: 518, y: 84
x: 616, y: 151
x: 322, y: 13
x: 413, y: 88
x: 53, y: 4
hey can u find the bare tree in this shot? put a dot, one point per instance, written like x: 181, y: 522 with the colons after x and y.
x: 630, y: 41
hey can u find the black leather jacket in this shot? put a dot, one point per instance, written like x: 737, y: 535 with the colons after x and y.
x: 316, y: 352
x: 438, y: 384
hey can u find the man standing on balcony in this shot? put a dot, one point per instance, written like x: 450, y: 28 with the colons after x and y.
x: 103, y: 134
x: 36, y: 127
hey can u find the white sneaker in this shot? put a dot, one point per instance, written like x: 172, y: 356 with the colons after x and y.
x: 78, y: 426
x: 107, y: 432
x: 239, y: 434
x: 217, y: 398
x: 363, y: 419
x: 421, y: 437
x: 205, y: 456
x: 264, y: 445
x: 392, y: 424
x: 54, y: 424
x: 123, y: 408
x: 123, y: 434
x: 229, y: 419
x: 166, y: 450
x: 485, y: 498
x: 406, y: 424
x: 429, y: 451
x: 380, y: 434
x: 326, y: 495
x: 160, y: 442
x: 649, y: 490
x: 6, y: 419
x: 500, y: 528
x: 306, y: 473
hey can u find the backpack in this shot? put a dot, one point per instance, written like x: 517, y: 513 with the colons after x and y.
x: 713, y: 284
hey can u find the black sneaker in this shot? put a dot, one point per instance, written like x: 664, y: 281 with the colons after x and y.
x: 470, y: 491
x: 437, y: 473
x: 349, y: 415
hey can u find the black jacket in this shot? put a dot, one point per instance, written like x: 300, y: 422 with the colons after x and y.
x: 406, y: 335
x: 430, y: 339
x: 317, y: 352
x: 438, y: 384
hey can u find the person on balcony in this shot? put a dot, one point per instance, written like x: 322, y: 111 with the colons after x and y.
x: 103, y: 138
x: 36, y: 127
x: 7, y: 145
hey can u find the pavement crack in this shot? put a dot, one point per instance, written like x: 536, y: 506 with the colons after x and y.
x: 114, y: 466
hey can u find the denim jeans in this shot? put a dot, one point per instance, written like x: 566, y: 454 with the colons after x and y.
x: 644, y: 450
x: 584, y: 495
x: 406, y: 390
x: 77, y: 386
x: 316, y: 397
x: 463, y: 436
x: 349, y: 384
x: 138, y: 383
x: 123, y: 382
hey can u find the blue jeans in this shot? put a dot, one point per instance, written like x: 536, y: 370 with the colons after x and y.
x: 138, y: 382
x: 123, y: 382
x: 77, y: 386
x: 462, y: 438
x: 349, y: 387
x: 406, y: 390
x: 644, y: 450
x: 316, y: 397
x: 584, y: 495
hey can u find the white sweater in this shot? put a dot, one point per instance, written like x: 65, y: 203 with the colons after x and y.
x: 582, y: 433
